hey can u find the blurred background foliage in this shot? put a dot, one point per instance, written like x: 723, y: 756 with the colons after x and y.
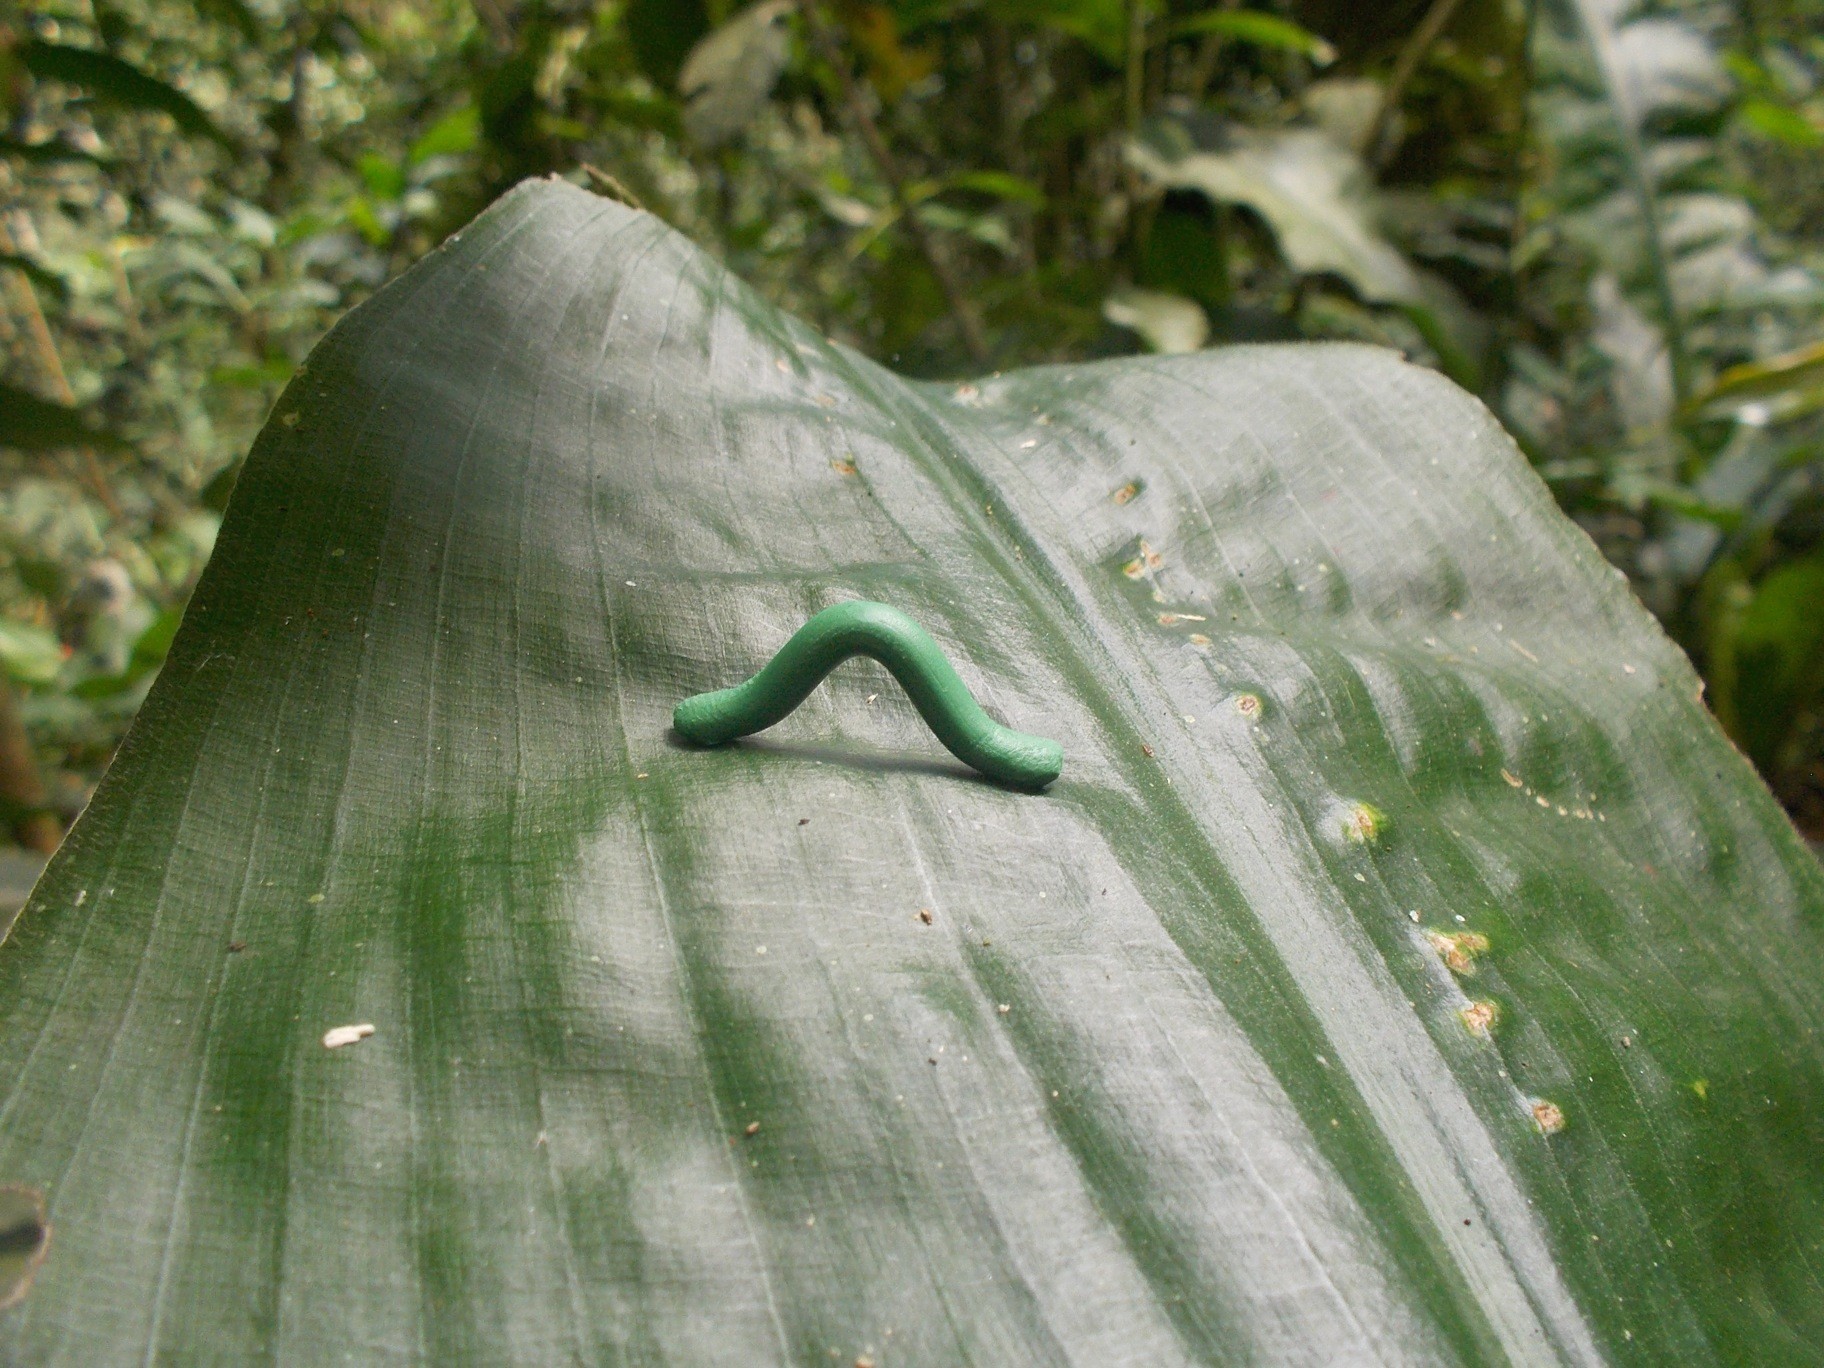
x: 1604, y: 217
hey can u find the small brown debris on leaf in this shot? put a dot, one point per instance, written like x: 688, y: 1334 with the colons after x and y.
x: 752, y: 1128
x: 337, y: 1037
x: 924, y: 915
x: 1146, y: 750
x: 1147, y: 560
x: 236, y: 946
x: 804, y: 821
x: 1513, y: 780
x: 1126, y: 493
x: 1459, y: 949
x: 1480, y: 1017
x: 1548, y: 1117
x: 843, y: 467
x: 1364, y: 824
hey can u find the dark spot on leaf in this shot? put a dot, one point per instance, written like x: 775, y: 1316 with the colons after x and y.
x: 804, y: 821
x: 24, y: 1236
x: 235, y: 947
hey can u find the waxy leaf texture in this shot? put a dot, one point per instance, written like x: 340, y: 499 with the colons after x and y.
x: 1404, y: 970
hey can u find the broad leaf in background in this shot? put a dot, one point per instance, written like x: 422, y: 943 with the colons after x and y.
x: 729, y: 74
x: 114, y: 81
x: 1167, y: 322
x: 1261, y: 30
x: 1317, y: 197
x: 1405, y: 969
x: 31, y: 423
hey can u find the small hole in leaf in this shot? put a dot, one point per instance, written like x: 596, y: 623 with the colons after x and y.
x: 24, y: 1235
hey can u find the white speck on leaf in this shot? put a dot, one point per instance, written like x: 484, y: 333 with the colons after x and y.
x: 337, y: 1037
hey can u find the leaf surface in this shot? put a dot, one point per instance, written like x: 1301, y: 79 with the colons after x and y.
x: 1405, y: 968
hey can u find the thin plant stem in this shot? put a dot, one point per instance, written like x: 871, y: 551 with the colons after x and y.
x: 967, y: 321
x: 1375, y: 143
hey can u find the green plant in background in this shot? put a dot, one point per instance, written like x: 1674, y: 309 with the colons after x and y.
x: 1605, y: 219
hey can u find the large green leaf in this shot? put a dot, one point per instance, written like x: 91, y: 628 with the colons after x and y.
x: 1187, y: 1064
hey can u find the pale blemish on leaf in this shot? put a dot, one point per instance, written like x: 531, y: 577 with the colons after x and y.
x: 1173, y: 619
x: 1701, y: 1086
x: 338, y: 1036
x: 1248, y: 705
x: 843, y: 467
x: 1127, y: 493
x: 1513, y: 780
x: 1458, y: 949
x: 1364, y: 824
x: 25, y: 1234
x: 1547, y: 1116
x: 1480, y: 1018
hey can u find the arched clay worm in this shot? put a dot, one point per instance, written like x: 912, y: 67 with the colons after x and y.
x: 916, y: 661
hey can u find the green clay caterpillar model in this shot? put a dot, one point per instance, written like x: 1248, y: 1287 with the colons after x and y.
x: 916, y: 661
